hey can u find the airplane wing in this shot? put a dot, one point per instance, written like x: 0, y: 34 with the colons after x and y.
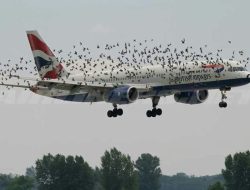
x: 68, y: 84
x: 18, y: 82
x: 15, y: 85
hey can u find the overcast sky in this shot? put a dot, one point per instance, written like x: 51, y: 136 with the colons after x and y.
x: 191, y: 139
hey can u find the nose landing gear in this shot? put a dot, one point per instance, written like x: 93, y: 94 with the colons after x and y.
x: 223, y: 104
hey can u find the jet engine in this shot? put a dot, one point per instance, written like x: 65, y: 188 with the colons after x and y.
x: 193, y: 97
x: 122, y: 95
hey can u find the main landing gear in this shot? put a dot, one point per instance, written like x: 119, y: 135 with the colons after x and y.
x: 155, y: 111
x: 223, y: 104
x: 115, y: 112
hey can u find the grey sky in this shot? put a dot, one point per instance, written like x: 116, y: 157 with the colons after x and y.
x: 193, y: 139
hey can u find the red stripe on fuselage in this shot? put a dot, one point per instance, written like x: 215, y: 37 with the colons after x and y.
x: 37, y: 44
x: 212, y: 66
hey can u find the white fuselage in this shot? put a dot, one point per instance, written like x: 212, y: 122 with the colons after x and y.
x: 159, y: 75
x: 163, y: 80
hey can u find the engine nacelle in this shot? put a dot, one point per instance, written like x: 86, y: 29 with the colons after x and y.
x: 193, y: 97
x: 122, y: 95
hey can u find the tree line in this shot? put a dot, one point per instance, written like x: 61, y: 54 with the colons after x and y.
x: 119, y: 172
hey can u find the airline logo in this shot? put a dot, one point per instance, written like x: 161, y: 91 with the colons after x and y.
x: 218, y: 68
x: 45, y: 60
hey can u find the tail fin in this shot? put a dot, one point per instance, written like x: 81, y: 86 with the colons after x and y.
x: 46, y: 62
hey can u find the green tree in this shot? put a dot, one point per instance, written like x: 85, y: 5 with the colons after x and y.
x: 185, y: 182
x: 98, y: 177
x: 64, y: 173
x: 4, y: 181
x: 149, y: 172
x: 118, y: 171
x: 21, y: 183
x: 237, y: 172
x: 216, y: 186
x: 30, y: 172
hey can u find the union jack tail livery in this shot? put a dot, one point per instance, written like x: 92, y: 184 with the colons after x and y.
x: 46, y: 62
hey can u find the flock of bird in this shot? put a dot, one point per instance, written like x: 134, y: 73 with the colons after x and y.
x: 127, y: 58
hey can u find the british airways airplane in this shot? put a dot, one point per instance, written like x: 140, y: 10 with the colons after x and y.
x: 188, y: 82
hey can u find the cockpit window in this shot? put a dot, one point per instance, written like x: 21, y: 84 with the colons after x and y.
x: 234, y: 69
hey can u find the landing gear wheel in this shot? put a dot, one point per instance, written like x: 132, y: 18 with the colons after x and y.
x: 115, y: 112
x: 222, y: 104
x: 225, y: 104
x: 153, y: 113
x: 110, y: 113
x: 120, y: 112
x: 149, y: 113
x: 159, y: 111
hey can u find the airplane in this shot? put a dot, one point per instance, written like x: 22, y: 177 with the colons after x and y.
x: 189, y: 83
